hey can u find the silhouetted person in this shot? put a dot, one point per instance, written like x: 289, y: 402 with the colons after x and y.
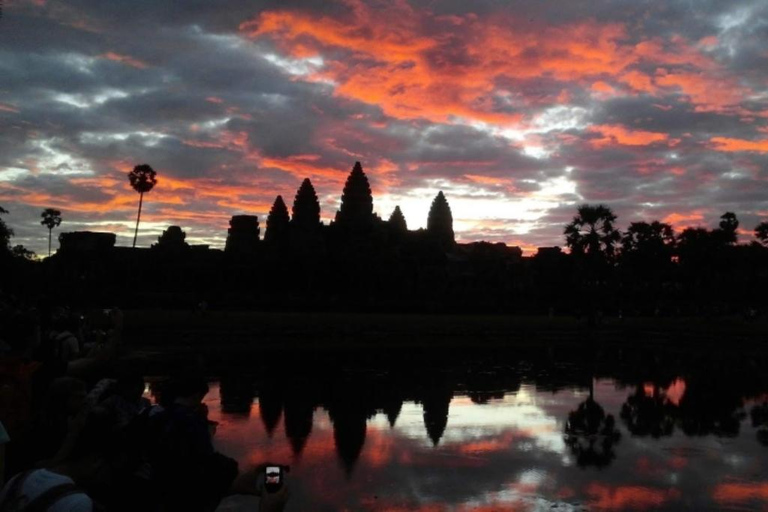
x: 188, y: 473
x: 87, y: 470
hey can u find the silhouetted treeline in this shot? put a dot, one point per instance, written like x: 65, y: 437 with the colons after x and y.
x: 360, y: 262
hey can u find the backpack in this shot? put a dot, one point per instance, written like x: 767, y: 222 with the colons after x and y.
x: 15, y: 501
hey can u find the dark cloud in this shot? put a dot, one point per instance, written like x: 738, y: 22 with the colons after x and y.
x: 516, y: 105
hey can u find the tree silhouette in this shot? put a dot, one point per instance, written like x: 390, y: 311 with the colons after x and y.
x: 278, y: 222
x: 397, y: 221
x: 648, y: 415
x: 306, y: 207
x: 440, y: 221
x: 651, y: 238
x: 647, y: 249
x: 761, y: 233
x: 5, y: 234
x: 591, y: 232
x: 19, y: 251
x: 356, y: 200
x: 143, y: 179
x: 726, y: 234
x: 590, y: 433
x: 51, y: 219
x: 696, y: 250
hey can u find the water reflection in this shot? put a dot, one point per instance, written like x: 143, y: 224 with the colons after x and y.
x: 522, y: 433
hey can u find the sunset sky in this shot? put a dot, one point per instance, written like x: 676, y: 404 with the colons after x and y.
x: 518, y: 110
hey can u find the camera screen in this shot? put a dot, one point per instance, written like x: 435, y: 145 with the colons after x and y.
x: 273, y: 474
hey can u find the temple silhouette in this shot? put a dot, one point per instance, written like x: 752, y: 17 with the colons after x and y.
x: 361, y: 262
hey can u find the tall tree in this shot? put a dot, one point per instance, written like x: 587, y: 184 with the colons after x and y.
x: 306, y: 207
x: 761, y: 233
x: 647, y: 248
x: 726, y: 234
x: 440, y: 221
x: 143, y: 179
x: 278, y: 221
x: 356, y: 200
x: 5, y: 234
x: 591, y: 232
x: 397, y: 221
x: 695, y: 247
x: 51, y: 219
x: 647, y: 237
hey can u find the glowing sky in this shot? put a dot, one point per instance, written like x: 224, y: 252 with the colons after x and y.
x: 517, y: 110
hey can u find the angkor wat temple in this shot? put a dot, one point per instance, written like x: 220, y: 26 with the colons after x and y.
x: 361, y: 262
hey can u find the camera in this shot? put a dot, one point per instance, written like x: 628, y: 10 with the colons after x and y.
x: 275, y: 475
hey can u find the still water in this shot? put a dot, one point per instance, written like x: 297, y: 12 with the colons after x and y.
x: 482, y: 440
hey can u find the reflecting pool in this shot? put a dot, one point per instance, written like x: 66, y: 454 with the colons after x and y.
x: 522, y: 436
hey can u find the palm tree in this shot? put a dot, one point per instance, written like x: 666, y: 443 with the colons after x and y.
x: 592, y: 240
x: 143, y: 179
x: 591, y: 232
x: 590, y: 433
x: 51, y: 219
x: 647, y: 250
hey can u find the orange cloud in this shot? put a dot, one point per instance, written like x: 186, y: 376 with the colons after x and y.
x: 738, y: 492
x: 729, y: 145
x: 680, y: 221
x: 409, y: 74
x: 124, y: 59
x: 416, y: 65
x: 638, y: 81
x: 603, y: 89
x: 617, y: 134
x: 708, y: 92
x: 629, y: 497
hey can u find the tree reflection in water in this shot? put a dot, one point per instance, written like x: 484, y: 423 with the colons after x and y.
x: 590, y: 434
x: 649, y: 415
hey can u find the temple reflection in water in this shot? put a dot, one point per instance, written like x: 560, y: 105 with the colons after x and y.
x: 505, y: 430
